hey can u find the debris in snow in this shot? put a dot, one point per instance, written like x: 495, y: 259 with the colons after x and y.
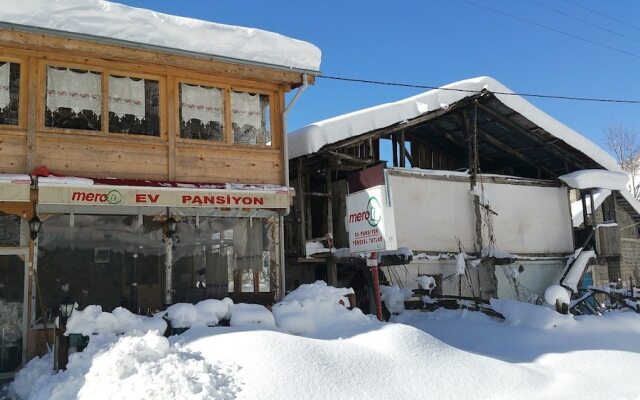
x: 426, y: 282
x: 596, y: 179
x: 460, y: 263
x: 394, y: 297
x: 250, y: 314
x: 315, y: 248
x: 530, y: 315
x: 556, y: 293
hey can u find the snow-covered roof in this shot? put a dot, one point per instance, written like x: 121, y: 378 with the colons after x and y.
x: 313, y: 137
x: 116, y: 21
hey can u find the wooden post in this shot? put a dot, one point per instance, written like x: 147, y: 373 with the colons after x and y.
x: 301, y: 195
x: 403, y: 150
x: 329, y: 184
x: 394, y: 147
x: 332, y: 271
x: 373, y: 263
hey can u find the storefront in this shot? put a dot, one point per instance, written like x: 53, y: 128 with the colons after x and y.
x: 14, y: 258
x: 144, y: 247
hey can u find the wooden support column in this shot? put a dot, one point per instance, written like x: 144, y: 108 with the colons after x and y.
x: 394, y: 148
x: 32, y: 114
x: 332, y: 271
x: 301, y: 195
x: 327, y: 175
x: 403, y: 150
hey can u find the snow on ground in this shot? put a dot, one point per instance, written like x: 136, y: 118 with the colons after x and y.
x: 535, y: 353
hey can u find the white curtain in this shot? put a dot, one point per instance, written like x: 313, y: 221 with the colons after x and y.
x: 247, y: 244
x: 126, y: 96
x: 247, y: 115
x: 203, y: 103
x: 4, y: 85
x: 76, y: 90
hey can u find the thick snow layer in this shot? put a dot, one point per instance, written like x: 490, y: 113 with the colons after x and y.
x: 535, y: 353
x: 93, y: 320
x: 250, y: 314
x: 313, y: 137
x: 394, y: 297
x: 596, y: 179
x: 320, y: 311
x: 556, y: 292
x: 426, y: 282
x: 117, y: 21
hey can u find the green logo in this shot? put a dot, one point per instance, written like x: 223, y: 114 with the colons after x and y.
x: 114, y: 197
x: 374, y: 211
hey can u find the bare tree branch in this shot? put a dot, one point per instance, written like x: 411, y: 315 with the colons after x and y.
x: 625, y: 145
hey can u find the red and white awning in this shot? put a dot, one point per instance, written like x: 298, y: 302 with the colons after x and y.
x: 15, y: 188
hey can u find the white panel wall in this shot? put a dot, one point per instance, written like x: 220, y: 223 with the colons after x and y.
x: 431, y: 213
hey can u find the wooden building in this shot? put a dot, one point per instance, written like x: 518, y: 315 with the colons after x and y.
x: 469, y: 168
x: 157, y: 168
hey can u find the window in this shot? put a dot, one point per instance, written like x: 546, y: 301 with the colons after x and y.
x: 251, y: 118
x: 201, y: 112
x: 73, y: 99
x: 9, y: 93
x: 134, y: 106
x: 9, y: 230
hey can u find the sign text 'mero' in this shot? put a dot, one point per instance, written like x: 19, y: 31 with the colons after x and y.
x: 165, y: 197
x: 370, y: 221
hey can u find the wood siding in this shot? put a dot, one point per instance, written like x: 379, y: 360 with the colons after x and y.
x: 104, y: 154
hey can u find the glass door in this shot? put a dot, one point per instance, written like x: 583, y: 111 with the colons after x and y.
x: 13, y: 264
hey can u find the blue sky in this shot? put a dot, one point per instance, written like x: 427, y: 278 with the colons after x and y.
x: 434, y: 42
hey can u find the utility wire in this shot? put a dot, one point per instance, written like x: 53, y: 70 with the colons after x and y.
x: 537, y: 95
x: 583, y: 21
x: 603, y: 14
x: 549, y: 28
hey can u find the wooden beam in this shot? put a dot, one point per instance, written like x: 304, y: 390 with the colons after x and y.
x: 563, y: 155
x: 32, y: 112
x: 403, y: 150
x: 327, y: 177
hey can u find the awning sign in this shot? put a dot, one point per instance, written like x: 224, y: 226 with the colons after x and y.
x: 15, y: 190
x: 140, y: 196
x: 370, y: 221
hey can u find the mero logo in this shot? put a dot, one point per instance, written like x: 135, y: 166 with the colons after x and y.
x: 114, y: 197
x: 374, y: 211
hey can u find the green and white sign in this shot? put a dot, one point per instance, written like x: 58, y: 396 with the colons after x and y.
x: 370, y: 221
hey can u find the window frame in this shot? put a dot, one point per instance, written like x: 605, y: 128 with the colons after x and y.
x: 104, y: 90
x: 23, y: 93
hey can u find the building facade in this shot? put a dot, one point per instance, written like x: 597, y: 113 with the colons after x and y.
x: 134, y: 175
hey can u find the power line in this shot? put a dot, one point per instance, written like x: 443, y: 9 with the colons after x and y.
x: 537, y: 95
x: 603, y: 14
x: 583, y: 21
x: 621, y: 51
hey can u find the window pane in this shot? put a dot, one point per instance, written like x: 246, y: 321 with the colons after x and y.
x: 9, y: 93
x: 201, y: 112
x: 134, y: 106
x: 9, y: 230
x: 103, y: 259
x: 250, y: 117
x: 74, y: 99
x: 11, y: 311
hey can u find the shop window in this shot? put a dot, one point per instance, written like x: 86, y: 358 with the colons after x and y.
x: 73, y: 99
x: 134, y: 106
x: 221, y: 256
x: 9, y: 93
x: 9, y: 230
x: 12, y: 269
x: 102, y: 259
x: 250, y: 117
x: 201, y: 112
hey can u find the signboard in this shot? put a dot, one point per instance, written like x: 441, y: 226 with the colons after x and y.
x: 15, y: 190
x: 370, y: 221
x: 140, y: 196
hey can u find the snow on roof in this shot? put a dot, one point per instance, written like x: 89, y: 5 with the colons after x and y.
x: 313, y: 137
x: 116, y: 21
x: 596, y: 178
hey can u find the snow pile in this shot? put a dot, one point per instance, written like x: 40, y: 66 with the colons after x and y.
x: 556, y: 293
x: 93, y: 320
x: 596, y: 179
x: 205, y: 313
x: 394, y: 297
x: 530, y: 315
x: 127, y: 367
x: 112, y: 20
x: 249, y: 314
x: 318, y: 310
